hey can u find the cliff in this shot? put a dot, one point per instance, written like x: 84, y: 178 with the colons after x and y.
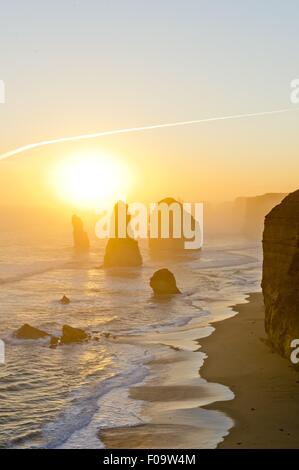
x: 244, y: 216
x: 253, y: 211
x: 281, y: 274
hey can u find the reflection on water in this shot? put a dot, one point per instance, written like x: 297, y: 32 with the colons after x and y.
x: 49, y: 396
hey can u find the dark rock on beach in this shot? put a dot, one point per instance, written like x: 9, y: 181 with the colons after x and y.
x: 281, y: 274
x: 30, y: 332
x: 72, y: 335
x: 163, y: 283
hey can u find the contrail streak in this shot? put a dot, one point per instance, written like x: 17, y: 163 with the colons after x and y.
x: 43, y: 143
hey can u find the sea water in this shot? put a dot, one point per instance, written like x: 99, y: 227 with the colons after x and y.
x: 62, y: 397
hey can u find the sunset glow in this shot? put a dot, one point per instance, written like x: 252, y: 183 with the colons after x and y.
x: 90, y: 181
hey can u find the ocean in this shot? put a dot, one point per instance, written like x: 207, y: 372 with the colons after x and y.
x: 63, y: 397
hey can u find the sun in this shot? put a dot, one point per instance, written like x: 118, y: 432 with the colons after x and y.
x: 91, y: 180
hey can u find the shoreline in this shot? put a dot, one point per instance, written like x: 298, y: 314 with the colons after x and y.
x: 172, y: 397
x: 234, y: 358
x: 266, y: 387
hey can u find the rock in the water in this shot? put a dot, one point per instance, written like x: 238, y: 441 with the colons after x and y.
x: 72, y: 335
x: 64, y: 300
x: 171, y: 212
x: 81, y: 241
x: 54, y: 341
x: 122, y: 252
x: 30, y: 332
x: 163, y: 282
x: 281, y: 274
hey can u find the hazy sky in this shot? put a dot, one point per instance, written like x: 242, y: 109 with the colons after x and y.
x: 72, y: 67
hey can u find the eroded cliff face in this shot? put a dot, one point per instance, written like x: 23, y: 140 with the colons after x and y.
x: 281, y: 274
x: 255, y: 210
x: 244, y: 216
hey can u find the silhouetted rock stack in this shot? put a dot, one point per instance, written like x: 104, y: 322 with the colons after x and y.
x: 30, y: 332
x: 281, y: 274
x: 171, y: 244
x: 120, y: 251
x: 81, y: 241
x: 163, y: 283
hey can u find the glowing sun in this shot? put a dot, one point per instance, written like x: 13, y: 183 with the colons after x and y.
x: 91, y: 181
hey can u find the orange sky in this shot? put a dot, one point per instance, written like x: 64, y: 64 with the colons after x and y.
x: 146, y: 63
x: 215, y: 161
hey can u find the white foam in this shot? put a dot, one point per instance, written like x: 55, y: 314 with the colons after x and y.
x: 86, y: 413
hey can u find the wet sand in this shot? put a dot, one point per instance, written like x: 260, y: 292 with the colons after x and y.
x: 263, y: 414
x: 266, y: 386
x: 172, y: 399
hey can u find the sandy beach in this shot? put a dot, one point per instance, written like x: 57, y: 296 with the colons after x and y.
x: 263, y: 414
x: 266, y: 386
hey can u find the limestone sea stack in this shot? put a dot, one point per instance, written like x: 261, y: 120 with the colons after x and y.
x: 121, y: 251
x: 171, y: 213
x: 27, y: 331
x: 163, y: 283
x: 281, y: 274
x: 81, y: 241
